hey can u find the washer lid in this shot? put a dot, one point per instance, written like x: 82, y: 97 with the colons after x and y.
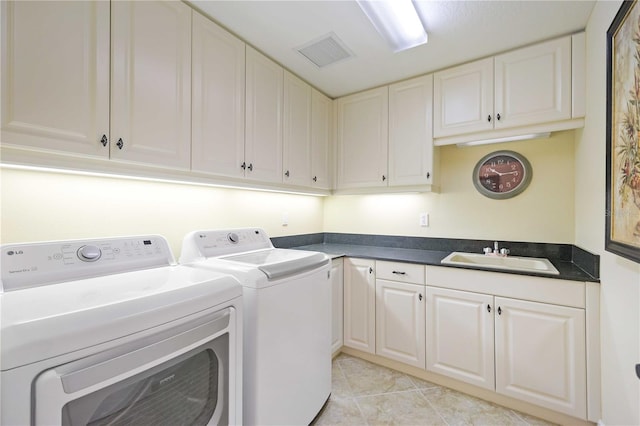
x: 43, y: 322
x: 277, y: 263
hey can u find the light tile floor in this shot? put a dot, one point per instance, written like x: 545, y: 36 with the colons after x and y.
x: 367, y: 394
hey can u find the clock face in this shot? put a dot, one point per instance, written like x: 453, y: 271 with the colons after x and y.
x: 502, y: 174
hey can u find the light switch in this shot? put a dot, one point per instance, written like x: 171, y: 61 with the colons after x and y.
x: 424, y: 219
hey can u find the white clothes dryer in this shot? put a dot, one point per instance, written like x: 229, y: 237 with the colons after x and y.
x: 287, y: 321
x: 112, y: 331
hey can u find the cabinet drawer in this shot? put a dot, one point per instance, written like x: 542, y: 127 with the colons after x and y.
x: 403, y: 272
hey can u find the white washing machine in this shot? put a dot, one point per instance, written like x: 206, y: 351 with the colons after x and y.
x: 287, y: 321
x: 112, y: 331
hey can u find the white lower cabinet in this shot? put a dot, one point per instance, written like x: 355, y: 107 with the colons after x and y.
x: 400, y: 322
x: 539, y: 348
x: 359, y: 304
x: 460, y: 336
x: 523, y: 337
x: 540, y: 354
x: 337, y: 304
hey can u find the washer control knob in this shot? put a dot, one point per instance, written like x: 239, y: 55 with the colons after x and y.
x: 233, y: 238
x: 89, y: 253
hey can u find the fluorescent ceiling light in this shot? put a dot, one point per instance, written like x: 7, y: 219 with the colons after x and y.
x: 397, y: 21
x: 507, y: 139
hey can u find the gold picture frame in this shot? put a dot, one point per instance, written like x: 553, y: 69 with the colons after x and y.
x: 623, y: 133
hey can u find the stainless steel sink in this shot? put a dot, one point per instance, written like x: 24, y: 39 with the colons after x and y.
x: 511, y: 263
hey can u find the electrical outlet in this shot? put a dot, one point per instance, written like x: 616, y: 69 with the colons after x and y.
x: 285, y: 219
x: 424, y: 219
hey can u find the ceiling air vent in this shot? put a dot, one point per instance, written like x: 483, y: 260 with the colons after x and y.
x: 325, y: 50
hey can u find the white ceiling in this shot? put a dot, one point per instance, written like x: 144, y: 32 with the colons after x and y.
x: 459, y: 31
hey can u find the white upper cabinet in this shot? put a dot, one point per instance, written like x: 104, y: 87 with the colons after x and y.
x: 463, y: 99
x: 525, y: 87
x: 321, y: 137
x: 533, y: 85
x: 296, y: 153
x: 578, y: 75
x: 218, y: 100
x: 55, y: 76
x: 151, y: 83
x: 263, y: 122
x: 362, y: 139
x: 411, y: 153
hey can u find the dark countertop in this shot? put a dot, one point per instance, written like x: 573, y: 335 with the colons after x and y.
x: 568, y: 270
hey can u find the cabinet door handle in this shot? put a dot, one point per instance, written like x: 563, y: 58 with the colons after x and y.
x: 243, y: 166
x: 498, y: 117
x: 104, y: 141
x: 384, y: 178
x: 315, y: 178
x: 499, y: 310
x: 370, y: 270
x: 398, y: 272
x: 420, y: 296
x: 286, y: 173
x: 489, y: 118
x: 120, y: 143
x: 250, y: 167
x: 428, y: 175
x: 488, y: 308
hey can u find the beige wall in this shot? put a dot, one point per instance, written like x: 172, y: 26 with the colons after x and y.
x: 39, y: 206
x: 544, y: 212
x: 620, y: 287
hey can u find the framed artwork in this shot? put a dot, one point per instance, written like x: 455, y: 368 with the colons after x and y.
x: 623, y: 133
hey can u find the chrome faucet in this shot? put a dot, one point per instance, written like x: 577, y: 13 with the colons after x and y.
x: 496, y: 251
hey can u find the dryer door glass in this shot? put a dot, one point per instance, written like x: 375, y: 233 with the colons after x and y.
x: 185, y: 390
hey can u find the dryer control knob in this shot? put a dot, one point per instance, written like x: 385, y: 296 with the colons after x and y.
x: 233, y: 238
x: 89, y: 253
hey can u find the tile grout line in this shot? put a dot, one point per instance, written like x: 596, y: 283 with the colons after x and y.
x: 432, y: 405
x: 355, y: 400
x: 344, y: 376
x: 386, y: 393
x: 351, y: 396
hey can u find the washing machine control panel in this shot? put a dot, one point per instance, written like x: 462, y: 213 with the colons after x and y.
x: 204, y: 244
x: 33, y: 264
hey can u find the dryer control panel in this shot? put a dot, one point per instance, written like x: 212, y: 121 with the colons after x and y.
x: 199, y: 245
x: 34, y: 264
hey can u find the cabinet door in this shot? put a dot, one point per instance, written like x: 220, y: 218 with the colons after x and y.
x: 540, y: 354
x: 460, y: 336
x: 296, y: 151
x: 463, y: 99
x: 411, y: 132
x: 151, y: 82
x: 533, y: 85
x: 359, y: 304
x: 217, y: 121
x: 363, y: 139
x: 400, y: 322
x: 337, y: 304
x: 263, y: 143
x: 55, y: 76
x: 321, y: 119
